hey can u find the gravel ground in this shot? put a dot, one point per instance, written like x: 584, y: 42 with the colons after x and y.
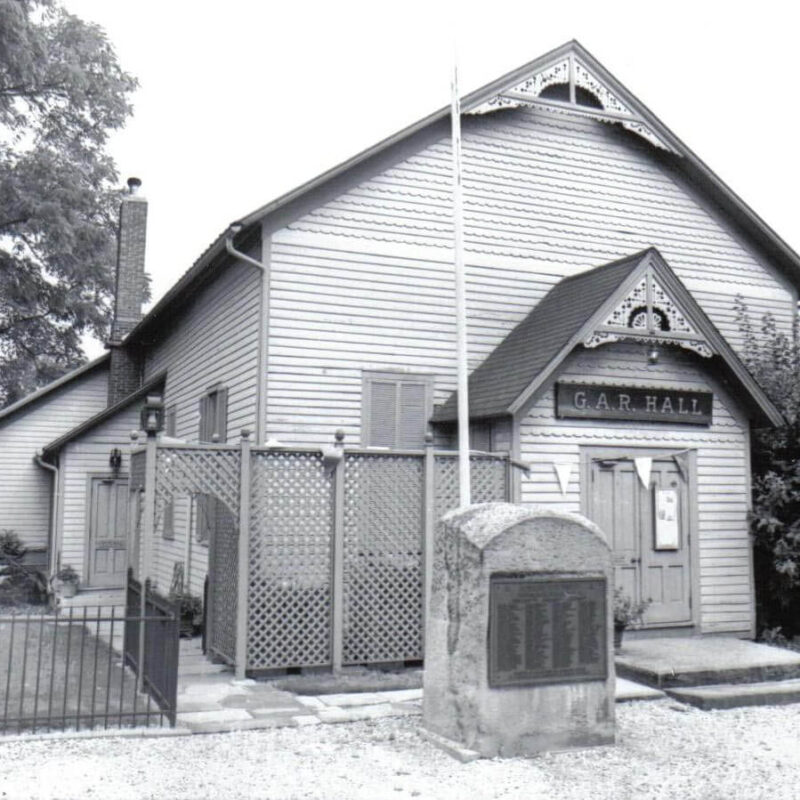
x: 663, y: 751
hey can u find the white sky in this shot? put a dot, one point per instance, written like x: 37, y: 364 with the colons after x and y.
x: 241, y: 101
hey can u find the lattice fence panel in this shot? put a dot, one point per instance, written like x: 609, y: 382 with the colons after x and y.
x: 211, y: 471
x: 223, y: 570
x: 383, y: 525
x: 488, y: 481
x: 291, y: 536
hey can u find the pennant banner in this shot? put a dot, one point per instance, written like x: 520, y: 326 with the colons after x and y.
x: 643, y: 466
x: 563, y: 471
x: 682, y: 463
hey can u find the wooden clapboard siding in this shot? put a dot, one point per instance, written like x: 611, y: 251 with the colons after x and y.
x: 365, y: 280
x: 212, y: 341
x: 82, y: 459
x: 722, y: 465
x: 26, y: 488
x: 168, y: 552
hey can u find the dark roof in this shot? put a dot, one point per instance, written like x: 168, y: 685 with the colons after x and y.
x: 281, y: 210
x: 532, y: 352
x: 538, y: 339
x: 26, y: 401
x: 87, y: 425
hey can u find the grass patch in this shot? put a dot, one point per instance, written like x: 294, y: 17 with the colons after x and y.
x: 56, y: 675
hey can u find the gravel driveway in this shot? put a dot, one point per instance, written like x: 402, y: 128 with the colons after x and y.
x: 664, y: 751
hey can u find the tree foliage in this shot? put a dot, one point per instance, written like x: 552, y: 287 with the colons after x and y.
x: 61, y: 93
x: 773, y: 358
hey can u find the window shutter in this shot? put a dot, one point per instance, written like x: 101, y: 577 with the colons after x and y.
x: 382, y: 414
x: 203, y: 433
x: 221, y: 426
x: 412, y: 420
x: 170, y: 422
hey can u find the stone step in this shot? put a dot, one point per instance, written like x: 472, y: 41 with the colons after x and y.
x: 679, y: 662
x: 739, y: 695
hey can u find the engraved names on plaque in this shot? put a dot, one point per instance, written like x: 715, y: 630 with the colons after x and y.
x: 546, y: 629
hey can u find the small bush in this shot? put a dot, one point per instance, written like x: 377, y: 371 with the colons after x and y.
x: 773, y: 358
x: 19, y: 584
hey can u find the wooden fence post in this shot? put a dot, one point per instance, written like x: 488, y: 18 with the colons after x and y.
x: 147, y: 535
x: 133, y: 509
x: 337, y: 600
x: 428, y: 526
x: 243, y: 572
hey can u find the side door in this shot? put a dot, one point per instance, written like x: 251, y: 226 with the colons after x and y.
x: 108, y: 532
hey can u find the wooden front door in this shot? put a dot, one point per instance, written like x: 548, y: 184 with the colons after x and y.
x: 108, y: 532
x: 648, y: 531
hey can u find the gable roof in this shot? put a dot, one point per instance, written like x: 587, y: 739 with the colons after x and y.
x: 48, y: 451
x: 570, y: 312
x: 506, y: 90
x: 53, y: 386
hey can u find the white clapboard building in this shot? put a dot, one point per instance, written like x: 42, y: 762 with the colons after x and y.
x: 603, y: 261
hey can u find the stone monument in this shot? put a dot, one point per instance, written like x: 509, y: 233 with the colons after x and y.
x: 518, y: 657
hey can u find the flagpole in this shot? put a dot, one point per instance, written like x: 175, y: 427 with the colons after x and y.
x: 461, y: 298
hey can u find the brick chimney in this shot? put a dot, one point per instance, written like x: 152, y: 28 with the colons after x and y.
x: 125, y: 368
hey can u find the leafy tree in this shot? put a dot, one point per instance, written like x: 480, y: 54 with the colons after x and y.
x: 61, y: 93
x: 773, y: 358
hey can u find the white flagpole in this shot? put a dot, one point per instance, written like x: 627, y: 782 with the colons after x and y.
x: 461, y: 299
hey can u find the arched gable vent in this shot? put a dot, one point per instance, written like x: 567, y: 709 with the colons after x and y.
x: 568, y: 86
x: 647, y: 313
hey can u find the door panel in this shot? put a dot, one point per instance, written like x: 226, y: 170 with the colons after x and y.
x: 626, y: 512
x: 665, y: 572
x: 108, y: 532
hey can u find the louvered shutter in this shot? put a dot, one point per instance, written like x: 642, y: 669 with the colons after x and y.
x: 383, y: 414
x: 411, y: 416
x: 204, y: 432
x: 221, y: 422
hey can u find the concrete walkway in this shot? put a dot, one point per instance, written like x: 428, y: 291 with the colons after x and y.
x: 211, y: 700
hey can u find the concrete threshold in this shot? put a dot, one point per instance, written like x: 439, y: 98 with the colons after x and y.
x: 739, y: 695
x: 676, y: 662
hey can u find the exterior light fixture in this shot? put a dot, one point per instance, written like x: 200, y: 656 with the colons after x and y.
x: 115, y: 459
x: 652, y: 355
x: 152, y: 418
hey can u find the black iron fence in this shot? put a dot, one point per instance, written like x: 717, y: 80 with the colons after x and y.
x: 61, y: 670
x: 152, y: 627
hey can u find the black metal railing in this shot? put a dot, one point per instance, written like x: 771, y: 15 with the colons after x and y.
x: 154, y: 626
x: 63, y: 669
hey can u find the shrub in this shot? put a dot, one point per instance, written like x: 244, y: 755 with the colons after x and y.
x: 18, y: 583
x: 773, y: 358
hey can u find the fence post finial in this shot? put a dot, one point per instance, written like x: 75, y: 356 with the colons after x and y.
x: 245, y: 434
x: 339, y: 437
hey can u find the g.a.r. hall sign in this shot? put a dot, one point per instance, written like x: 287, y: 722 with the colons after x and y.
x: 590, y: 401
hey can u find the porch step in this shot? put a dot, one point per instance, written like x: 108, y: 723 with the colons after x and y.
x: 681, y: 662
x: 739, y: 695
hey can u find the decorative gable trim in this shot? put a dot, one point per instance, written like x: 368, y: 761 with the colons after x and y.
x: 649, y: 314
x: 653, y: 271
x: 574, y: 72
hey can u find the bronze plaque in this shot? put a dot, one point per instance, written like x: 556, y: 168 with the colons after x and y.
x: 546, y: 629
x: 596, y: 401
